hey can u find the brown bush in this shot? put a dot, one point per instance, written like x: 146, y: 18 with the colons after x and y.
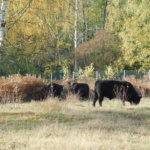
x: 17, y: 88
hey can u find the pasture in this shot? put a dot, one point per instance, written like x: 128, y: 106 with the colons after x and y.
x: 75, y: 125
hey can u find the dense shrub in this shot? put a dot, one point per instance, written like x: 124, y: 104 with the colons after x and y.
x: 17, y: 88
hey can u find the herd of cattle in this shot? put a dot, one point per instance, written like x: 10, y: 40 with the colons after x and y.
x: 103, y: 88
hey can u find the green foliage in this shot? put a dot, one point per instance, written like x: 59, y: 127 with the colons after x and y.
x: 39, y: 35
x: 86, y: 72
x: 65, y: 68
x: 110, y: 72
x: 132, y: 21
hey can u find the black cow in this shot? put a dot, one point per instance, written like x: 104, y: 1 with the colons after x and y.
x: 81, y: 89
x: 55, y: 89
x: 112, y: 88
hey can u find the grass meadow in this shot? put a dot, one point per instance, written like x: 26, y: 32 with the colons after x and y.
x: 75, y: 125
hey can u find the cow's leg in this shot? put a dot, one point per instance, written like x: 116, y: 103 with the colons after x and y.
x: 94, y: 102
x: 131, y: 103
x: 100, y: 100
x: 123, y: 102
x: 95, y: 98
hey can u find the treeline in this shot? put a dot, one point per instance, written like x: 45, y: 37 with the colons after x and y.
x: 39, y: 35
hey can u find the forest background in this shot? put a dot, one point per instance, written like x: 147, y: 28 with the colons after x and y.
x: 40, y: 36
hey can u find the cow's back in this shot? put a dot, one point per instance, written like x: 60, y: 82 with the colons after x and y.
x: 104, y: 88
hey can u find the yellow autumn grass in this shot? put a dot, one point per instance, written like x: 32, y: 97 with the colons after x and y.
x: 75, y: 125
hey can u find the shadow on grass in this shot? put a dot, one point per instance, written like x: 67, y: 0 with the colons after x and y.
x: 129, y: 120
x: 138, y: 113
x: 29, y: 120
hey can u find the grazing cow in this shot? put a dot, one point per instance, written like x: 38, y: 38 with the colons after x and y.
x: 112, y: 88
x: 81, y: 89
x: 55, y: 89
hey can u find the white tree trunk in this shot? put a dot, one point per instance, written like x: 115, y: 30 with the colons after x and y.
x: 2, y: 23
x: 104, y: 14
x: 76, y: 33
x: 83, y: 21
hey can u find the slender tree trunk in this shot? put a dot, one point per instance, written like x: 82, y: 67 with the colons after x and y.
x: 104, y: 14
x: 83, y: 21
x: 76, y: 33
x: 2, y: 24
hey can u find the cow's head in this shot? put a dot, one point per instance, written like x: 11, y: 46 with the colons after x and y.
x: 136, y: 100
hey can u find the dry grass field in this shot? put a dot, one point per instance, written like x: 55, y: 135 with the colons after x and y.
x: 75, y: 125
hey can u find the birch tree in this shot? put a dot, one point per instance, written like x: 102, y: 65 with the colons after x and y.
x: 76, y: 33
x: 84, y: 26
x: 104, y: 14
x: 2, y: 24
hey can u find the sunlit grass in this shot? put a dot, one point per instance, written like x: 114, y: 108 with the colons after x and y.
x: 75, y: 125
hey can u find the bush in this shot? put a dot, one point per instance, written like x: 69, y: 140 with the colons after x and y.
x: 17, y: 88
